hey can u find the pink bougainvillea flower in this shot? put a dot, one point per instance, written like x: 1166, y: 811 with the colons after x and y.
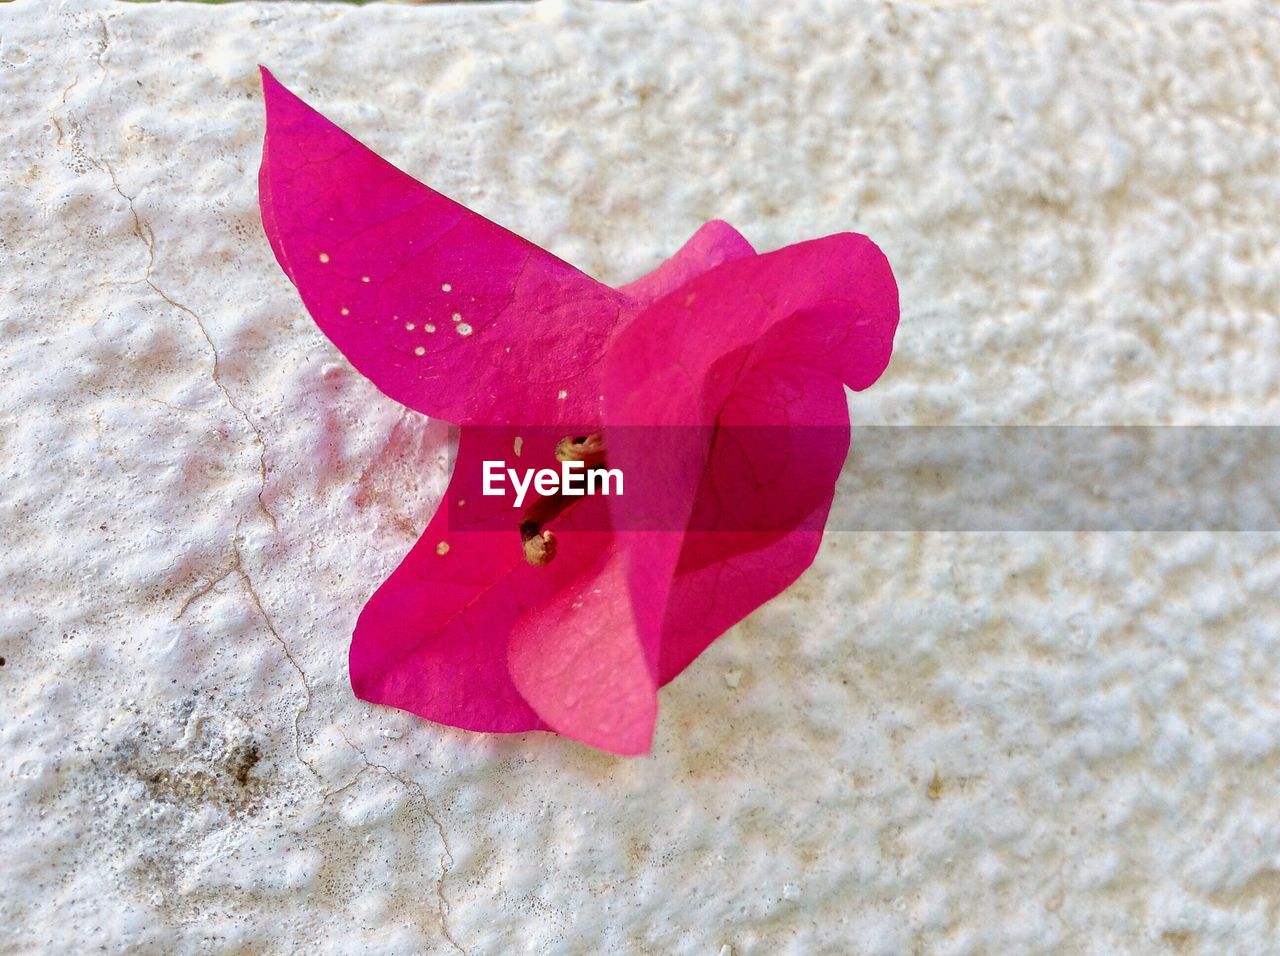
x: 715, y: 385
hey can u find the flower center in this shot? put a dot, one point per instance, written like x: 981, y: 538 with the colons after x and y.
x: 540, y: 544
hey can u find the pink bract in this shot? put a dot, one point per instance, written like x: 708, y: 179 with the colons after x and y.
x: 718, y: 381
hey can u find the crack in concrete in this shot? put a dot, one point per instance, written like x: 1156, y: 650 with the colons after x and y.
x: 104, y: 43
x: 415, y: 788
x: 186, y: 605
x: 66, y: 91
x: 237, y: 568
x: 146, y: 234
x: 330, y: 794
x: 143, y: 231
x: 302, y: 676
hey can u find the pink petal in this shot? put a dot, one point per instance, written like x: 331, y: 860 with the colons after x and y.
x: 714, y: 243
x: 729, y: 365
x: 380, y: 261
x: 466, y: 633
x: 760, y: 507
x: 577, y: 660
x: 744, y: 361
x: 474, y: 638
x: 433, y: 639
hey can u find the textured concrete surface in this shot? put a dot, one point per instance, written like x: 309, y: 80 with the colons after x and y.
x: 935, y: 743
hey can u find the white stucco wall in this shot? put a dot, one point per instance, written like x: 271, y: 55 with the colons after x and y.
x: 934, y: 743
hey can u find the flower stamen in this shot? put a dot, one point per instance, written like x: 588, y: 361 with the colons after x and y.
x: 540, y: 544
x: 588, y: 449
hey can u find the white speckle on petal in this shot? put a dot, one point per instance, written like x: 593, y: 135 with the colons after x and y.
x: 457, y: 316
x: 446, y: 288
x: 464, y: 329
x: 442, y: 548
x: 461, y: 502
x: 324, y: 257
x: 427, y: 326
x: 419, y: 351
x: 562, y: 394
x: 345, y: 310
x: 365, y: 279
x: 408, y: 326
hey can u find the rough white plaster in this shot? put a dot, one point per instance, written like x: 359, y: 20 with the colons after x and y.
x: 934, y: 743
